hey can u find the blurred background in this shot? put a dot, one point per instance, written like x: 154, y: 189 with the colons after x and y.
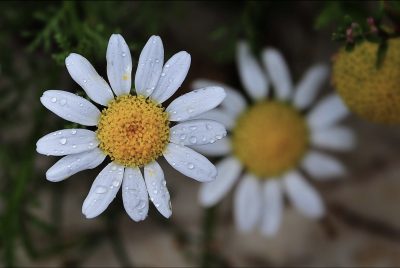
x: 41, y: 223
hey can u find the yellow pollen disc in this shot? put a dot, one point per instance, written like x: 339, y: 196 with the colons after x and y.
x: 372, y: 93
x: 133, y: 130
x: 270, y: 138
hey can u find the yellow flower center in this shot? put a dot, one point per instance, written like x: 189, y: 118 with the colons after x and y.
x: 133, y: 130
x: 372, y: 93
x: 270, y: 138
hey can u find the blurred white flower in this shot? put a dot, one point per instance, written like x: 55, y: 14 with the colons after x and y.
x: 133, y: 130
x: 272, y: 139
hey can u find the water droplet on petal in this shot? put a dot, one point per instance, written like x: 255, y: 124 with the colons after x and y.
x: 182, y: 137
x: 84, y: 81
x: 190, y: 110
x: 193, y: 139
x: 218, y: 137
x: 193, y: 128
x: 116, y: 183
x: 190, y: 165
x: 101, y: 190
x: 63, y: 102
x: 73, y: 132
x: 123, y: 54
x: 162, y: 74
x: 74, y: 146
x: 113, y: 168
x: 155, y: 192
x: 208, y: 126
x: 53, y: 99
x: 166, y: 65
x: 63, y: 141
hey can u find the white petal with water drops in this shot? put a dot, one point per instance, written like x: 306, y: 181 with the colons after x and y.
x: 197, y: 132
x: 322, y: 166
x: 278, y: 72
x: 303, y: 196
x: 247, y: 203
x: 219, y: 148
x: 234, y: 103
x: 334, y: 138
x: 71, y: 107
x: 72, y: 164
x: 172, y: 76
x: 119, y: 65
x: 134, y: 194
x: 228, y: 173
x: 309, y: 86
x: 104, y: 189
x: 252, y: 76
x: 157, y: 188
x: 190, y: 163
x: 195, y: 103
x: 67, y: 141
x: 327, y: 112
x: 272, y: 207
x: 90, y: 81
x: 219, y: 115
x: 150, y: 66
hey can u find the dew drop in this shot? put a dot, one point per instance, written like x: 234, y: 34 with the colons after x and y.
x: 166, y: 65
x: 193, y: 128
x: 208, y: 126
x: 53, y: 99
x: 101, y: 190
x: 218, y: 137
x: 190, y: 166
x: 114, y: 168
x: 190, y: 110
x: 116, y: 183
x: 157, y: 205
x: 212, y: 140
x: 63, y: 141
x: 123, y: 54
x: 162, y: 74
x: 81, y: 104
x: 141, y: 204
x: 74, y: 146
x: 182, y: 137
x: 85, y: 81
x: 193, y: 139
x: 73, y: 132
x: 155, y: 192
x: 63, y: 102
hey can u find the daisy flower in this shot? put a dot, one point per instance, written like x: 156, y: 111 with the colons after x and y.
x: 132, y: 130
x: 273, y: 141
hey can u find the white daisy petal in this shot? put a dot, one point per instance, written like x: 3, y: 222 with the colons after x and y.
x: 228, y: 173
x: 322, y: 167
x: 327, y: 112
x: 251, y: 75
x: 234, y: 103
x: 90, y: 81
x: 119, y: 65
x: 309, y: 86
x: 272, y: 207
x: 71, y: 107
x: 104, y: 189
x: 157, y: 188
x: 67, y: 141
x: 334, y: 138
x: 247, y: 203
x: 150, y: 65
x: 195, y: 103
x: 134, y: 194
x: 72, y: 164
x: 219, y: 148
x: 303, y: 196
x: 218, y: 115
x: 190, y: 163
x: 172, y: 76
x: 278, y: 72
x: 197, y: 132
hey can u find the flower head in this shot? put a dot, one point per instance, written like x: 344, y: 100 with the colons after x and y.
x: 132, y: 130
x: 370, y: 91
x: 272, y: 139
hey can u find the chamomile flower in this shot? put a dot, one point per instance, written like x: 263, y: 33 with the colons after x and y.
x: 273, y: 140
x: 132, y: 130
